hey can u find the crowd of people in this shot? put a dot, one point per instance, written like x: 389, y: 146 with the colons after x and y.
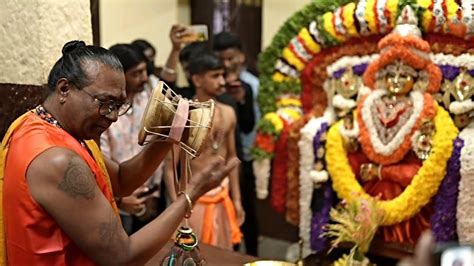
x: 217, y: 73
x: 85, y: 168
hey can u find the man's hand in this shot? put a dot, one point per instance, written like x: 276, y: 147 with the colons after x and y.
x: 234, y: 88
x: 239, y: 211
x: 210, y: 176
x: 134, y: 204
x: 176, y: 33
x: 423, y: 250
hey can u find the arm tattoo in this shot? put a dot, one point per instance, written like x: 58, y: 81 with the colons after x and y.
x: 78, y: 180
x: 108, y: 231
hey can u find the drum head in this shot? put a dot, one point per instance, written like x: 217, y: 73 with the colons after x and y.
x: 200, y: 126
x: 158, y: 114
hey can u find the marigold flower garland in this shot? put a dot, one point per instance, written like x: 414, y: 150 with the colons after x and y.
x: 424, y: 184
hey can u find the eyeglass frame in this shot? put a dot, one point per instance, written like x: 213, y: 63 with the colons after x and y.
x: 116, y: 105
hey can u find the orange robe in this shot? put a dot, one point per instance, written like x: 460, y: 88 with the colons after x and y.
x: 395, y: 178
x: 32, y: 236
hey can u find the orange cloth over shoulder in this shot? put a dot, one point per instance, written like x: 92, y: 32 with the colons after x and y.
x: 31, y: 236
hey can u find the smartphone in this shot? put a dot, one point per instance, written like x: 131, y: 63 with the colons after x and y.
x: 195, y: 33
x: 454, y: 255
x: 150, y: 190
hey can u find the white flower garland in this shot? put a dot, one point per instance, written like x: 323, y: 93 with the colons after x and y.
x: 383, y: 21
x: 438, y: 14
x: 299, y: 49
x: 307, y: 184
x: 313, y: 30
x: 338, y: 25
x: 463, y: 60
x: 261, y: 170
x: 461, y: 107
x: 465, y: 207
x: 360, y: 10
x: 341, y: 102
x: 350, y: 61
x: 467, y: 16
x: 389, y: 148
x: 286, y: 69
x: 466, y: 11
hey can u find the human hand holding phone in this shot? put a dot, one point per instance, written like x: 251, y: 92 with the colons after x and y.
x: 234, y: 88
x: 194, y: 33
x: 148, y: 190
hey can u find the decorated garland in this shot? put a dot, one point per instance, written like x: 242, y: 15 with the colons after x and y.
x: 465, y: 205
x: 271, y: 125
x: 296, y: 63
x: 268, y: 143
x: 324, y: 24
x: 423, y: 186
x: 396, y: 149
x: 293, y: 173
x: 307, y: 183
x: 279, y: 186
x: 443, y: 221
x: 270, y: 87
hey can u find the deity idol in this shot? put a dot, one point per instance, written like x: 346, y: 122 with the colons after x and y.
x: 396, y: 146
x: 343, y: 88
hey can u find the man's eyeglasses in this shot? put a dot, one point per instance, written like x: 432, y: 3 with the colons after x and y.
x: 107, y: 107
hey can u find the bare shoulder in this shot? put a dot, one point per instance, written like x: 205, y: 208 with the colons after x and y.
x: 62, y: 169
x: 228, y: 112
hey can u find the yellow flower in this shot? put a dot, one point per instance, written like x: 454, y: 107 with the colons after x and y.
x: 427, y: 14
x: 424, y: 184
x: 313, y: 46
x: 369, y: 15
x: 279, y: 77
x: 424, y: 3
x: 452, y: 8
x: 426, y: 21
x: 392, y: 7
x: 348, y: 15
x: 289, y: 102
x: 290, y: 113
x: 329, y: 26
x: 275, y: 120
x: 292, y: 59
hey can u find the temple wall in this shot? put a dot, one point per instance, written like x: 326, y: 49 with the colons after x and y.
x: 32, y: 35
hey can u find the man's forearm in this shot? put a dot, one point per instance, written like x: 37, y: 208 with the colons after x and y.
x: 145, y: 243
x: 168, y: 73
x: 234, y: 184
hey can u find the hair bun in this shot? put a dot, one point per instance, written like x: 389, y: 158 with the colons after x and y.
x: 72, y: 45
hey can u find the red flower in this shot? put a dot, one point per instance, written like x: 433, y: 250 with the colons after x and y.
x: 265, y: 142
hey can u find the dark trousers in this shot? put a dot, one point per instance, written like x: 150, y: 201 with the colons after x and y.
x: 249, y: 202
